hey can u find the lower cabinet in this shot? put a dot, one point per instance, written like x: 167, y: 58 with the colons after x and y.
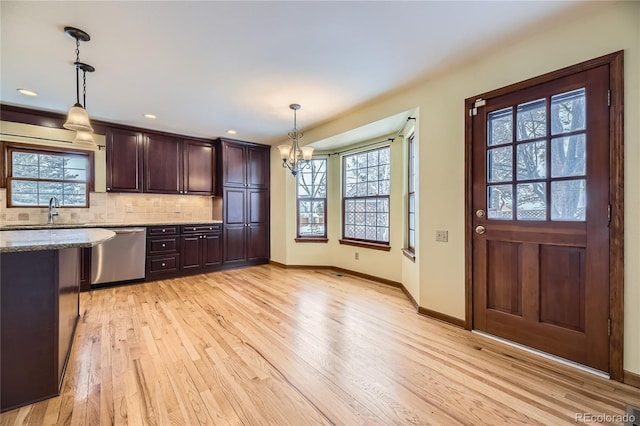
x: 163, y: 256
x: 176, y: 250
x: 201, y: 247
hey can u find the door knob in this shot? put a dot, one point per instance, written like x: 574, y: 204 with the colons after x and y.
x: 480, y: 213
x: 480, y: 229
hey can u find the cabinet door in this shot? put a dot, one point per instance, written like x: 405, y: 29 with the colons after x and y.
x: 162, y: 164
x: 124, y: 161
x: 234, y: 206
x: 212, y: 249
x: 234, y: 164
x: 190, y: 251
x: 234, y: 244
x: 199, y: 168
x: 257, y: 224
x: 258, y: 167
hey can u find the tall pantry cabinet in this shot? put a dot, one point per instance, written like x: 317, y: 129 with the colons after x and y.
x: 245, y: 191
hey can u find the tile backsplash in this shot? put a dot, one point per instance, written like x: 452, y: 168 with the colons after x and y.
x: 115, y: 208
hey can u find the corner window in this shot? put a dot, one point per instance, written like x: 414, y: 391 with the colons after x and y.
x: 366, y: 186
x: 35, y: 175
x: 411, y: 199
x: 312, y: 201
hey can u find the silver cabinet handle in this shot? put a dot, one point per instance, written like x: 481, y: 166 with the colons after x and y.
x: 164, y: 230
x: 163, y: 264
x: 164, y: 245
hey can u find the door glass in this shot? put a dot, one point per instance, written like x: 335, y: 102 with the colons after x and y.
x: 500, y: 128
x: 532, y: 204
x: 568, y: 112
x: 499, y: 202
x: 532, y: 163
x: 532, y: 120
x: 500, y: 164
x: 568, y: 156
x: 568, y: 200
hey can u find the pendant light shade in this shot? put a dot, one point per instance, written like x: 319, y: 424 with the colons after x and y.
x: 84, y: 139
x: 78, y: 120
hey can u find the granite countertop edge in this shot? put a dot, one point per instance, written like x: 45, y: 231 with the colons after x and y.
x: 30, y: 227
x: 52, y: 239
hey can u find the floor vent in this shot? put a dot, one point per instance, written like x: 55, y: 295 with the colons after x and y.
x: 633, y: 416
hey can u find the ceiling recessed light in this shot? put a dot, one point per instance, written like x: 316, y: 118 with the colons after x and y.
x: 151, y: 116
x: 27, y: 92
x: 231, y: 132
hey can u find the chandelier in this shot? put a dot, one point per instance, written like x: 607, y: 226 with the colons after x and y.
x: 294, y: 157
x: 77, y: 118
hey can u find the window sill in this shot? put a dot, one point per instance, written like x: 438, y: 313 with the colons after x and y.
x: 409, y: 254
x: 311, y: 240
x: 363, y: 244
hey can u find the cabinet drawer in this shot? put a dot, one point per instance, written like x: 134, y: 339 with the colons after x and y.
x: 163, y: 264
x: 201, y: 229
x: 160, y: 245
x: 157, y: 231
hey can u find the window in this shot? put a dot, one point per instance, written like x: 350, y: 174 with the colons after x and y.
x: 312, y: 201
x: 366, y: 188
x: 35, y: 175
x: 411, y: 199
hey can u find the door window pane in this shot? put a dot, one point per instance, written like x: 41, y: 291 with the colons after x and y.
x: 499, y: 202
x: 568, y: 200
x: 532, y: 204
x: 532, y: 163
x: 532, y: 120
x: 568, y: 156
x: 500, y: 127
x: 500, y: 164
x: 568, y: 112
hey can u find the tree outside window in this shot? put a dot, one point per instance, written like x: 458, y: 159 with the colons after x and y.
x: 312, y: 200
x: 366, y: 189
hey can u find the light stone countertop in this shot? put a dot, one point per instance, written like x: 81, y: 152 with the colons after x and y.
x: 52, y: 239
x: 30, y: 226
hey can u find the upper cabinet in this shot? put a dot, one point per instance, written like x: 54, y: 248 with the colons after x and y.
x: 199, y: 159
x: 244, y: 165
x: 160, y: 164
x: 124, y: 161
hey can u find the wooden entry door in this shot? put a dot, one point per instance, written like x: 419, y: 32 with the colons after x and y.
x: 540, y: 207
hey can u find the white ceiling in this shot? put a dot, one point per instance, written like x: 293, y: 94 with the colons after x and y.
x: 204, y: 67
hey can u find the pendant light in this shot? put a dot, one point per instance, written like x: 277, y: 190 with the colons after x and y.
x: 294, y: 157
x: 77, y: 118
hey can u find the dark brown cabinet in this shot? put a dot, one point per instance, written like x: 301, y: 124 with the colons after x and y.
x: 159, y: 164
x: 124, y: 160
x: 39, y: 310
x: 201, y: 247
x: 245, y: 174
x: 199, y: 159
x: 163, y: 251
x: 162, y: 164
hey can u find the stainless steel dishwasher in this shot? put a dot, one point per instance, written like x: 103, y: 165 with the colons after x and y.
x: 120, y: 259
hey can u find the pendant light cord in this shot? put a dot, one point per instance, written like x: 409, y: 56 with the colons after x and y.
x: 77, y: 71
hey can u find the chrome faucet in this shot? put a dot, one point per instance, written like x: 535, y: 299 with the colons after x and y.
x: 53, y: 202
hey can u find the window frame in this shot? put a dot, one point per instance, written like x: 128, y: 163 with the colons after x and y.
x: 410, y: 251
x: 9, y: 148
x: 312, y: 238
x: 361, y: 242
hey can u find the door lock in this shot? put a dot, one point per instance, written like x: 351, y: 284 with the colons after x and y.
x: 480, y: 229
x: 480, y: 213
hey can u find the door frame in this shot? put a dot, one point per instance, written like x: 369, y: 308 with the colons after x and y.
x: 616, y: 195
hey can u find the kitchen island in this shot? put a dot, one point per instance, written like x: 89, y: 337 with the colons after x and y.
x: 39, y: 303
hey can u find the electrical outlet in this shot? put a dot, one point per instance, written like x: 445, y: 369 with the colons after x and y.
x: 442, y: 236
x: 128, y: 208
x: 178, y: 210
x: 357, y: 256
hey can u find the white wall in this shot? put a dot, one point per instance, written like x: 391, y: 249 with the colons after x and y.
x: 608, y: 28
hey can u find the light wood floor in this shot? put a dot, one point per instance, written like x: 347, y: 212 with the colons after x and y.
x: 265, y: 345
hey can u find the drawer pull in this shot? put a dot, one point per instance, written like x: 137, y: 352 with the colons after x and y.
x: 164, y: 245
x: 164, y: 230
x: 164, y: 264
